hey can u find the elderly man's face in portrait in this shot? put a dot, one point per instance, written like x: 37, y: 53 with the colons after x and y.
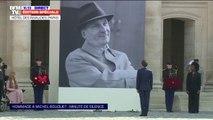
x: 97, y: 33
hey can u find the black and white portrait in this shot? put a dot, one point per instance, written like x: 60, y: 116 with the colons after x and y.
x: 101, y: 43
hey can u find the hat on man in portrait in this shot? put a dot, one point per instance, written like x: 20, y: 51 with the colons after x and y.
x: 90, y: 12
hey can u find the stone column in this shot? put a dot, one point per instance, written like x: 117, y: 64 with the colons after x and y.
x: 3, y: 37
x: 19, y: 49
x: 19, y: 44
x: 209, y: 65
x: 54, y: 56
x: 153, y: 40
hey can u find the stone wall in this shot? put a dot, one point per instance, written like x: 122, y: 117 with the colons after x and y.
x: 3, y: 29
x: 194, y: 14
x: 153, y: 39
x: 15, y: 46
x: 15, y: 40
x: 209, y: 55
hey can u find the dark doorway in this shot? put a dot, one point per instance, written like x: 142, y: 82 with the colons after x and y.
x: 40, y: 36
x: 173, y: 44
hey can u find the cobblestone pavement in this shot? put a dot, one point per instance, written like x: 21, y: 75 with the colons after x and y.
x: 90, y: 115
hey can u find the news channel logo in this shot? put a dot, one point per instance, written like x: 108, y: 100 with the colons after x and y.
x: 34, y: 13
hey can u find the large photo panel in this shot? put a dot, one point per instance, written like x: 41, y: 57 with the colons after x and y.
x: 101, y: 43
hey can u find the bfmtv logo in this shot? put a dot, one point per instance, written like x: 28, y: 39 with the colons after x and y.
x: 34, y: 13
x: 15, y: 10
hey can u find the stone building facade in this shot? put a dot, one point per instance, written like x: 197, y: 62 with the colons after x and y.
x: 195, y: 16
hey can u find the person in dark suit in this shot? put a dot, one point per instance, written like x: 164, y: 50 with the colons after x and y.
x: 144, y: 87
x: 193, y: 88
x: 169, y: 91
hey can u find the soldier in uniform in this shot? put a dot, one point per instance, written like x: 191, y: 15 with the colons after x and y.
x: 38, y: 69
x: 169, y: 92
